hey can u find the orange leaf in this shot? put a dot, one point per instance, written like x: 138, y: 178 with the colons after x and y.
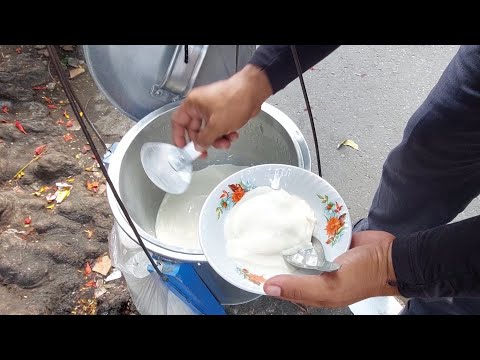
x: 92, y: 186
x: 88, y: 269
x: 68, y: 137
x: 28, y: 220
x: 69, y: 123
x: 51, y: 106
x: 40, y: 149
x: 5, y: 109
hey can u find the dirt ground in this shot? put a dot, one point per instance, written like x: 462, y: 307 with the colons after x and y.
x: 48, y: 250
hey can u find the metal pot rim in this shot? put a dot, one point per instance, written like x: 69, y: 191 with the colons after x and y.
x: 298, y: 140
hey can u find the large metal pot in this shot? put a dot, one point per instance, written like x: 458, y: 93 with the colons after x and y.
x: 271, y: 137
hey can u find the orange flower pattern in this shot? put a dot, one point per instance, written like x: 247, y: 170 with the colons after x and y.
x: 335, y: 220
x: 229, y: 198
x: 256, y: 279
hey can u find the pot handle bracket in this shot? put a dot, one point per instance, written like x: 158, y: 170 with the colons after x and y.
x: 181, y: 73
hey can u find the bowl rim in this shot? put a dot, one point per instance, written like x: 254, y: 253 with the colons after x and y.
x: 225, y: 182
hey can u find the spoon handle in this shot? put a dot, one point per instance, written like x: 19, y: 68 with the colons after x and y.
x: 191, y: 151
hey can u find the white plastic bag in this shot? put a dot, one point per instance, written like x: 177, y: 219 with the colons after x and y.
x: 148, y: 292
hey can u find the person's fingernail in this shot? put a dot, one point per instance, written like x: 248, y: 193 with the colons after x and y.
x: 234, y: 137
x: 273, y: 290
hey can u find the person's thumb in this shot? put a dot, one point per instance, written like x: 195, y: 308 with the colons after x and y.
x: 207, y: 136
x: 292, y: 287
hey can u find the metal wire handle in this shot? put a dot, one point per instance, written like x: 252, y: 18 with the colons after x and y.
x: 307, y: 102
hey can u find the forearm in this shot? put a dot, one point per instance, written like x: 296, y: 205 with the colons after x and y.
x: 278, y: 64
x: 440, y: 262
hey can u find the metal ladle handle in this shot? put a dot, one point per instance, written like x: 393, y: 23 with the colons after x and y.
x: 191, y: 151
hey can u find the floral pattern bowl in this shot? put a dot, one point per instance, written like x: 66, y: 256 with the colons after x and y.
x: 333, y: 229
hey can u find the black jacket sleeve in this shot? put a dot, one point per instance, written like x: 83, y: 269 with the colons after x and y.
x: 278, y: 63
x: 439, y: 262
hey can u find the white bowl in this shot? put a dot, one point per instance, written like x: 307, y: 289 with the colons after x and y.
x: 318, y: 193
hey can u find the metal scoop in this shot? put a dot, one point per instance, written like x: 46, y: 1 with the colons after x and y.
x: 312, y: 259
x: 169, y: 167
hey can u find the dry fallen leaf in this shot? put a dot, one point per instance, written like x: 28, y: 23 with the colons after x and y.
x: 21, y: 172
x: 348, y: 142
x: 89, y: 233
x: 40, y: 191
x: 88, y: 269
x: 91, y: 283
x: 40, y: 149
x: 19, y: 175
x: 68, y: 137
x: 5, y: 109
x: 50, y: 206
x: 102, y: 265
x: 69, y: 123
x: 20, y: 127
x: 92, y: 186
x: 75, y: 72
x: 70, y: 180
x: 93, y: 168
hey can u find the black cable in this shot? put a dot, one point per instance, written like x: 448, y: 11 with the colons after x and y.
x: 76, y: 107
x: 307, y: 102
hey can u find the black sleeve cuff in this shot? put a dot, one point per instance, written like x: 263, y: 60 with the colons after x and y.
x: 439, y: 262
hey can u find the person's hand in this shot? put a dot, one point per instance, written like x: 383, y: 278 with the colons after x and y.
x: 212, y: 114
x: 366, y: 272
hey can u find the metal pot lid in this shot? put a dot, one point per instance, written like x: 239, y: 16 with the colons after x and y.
x: 138, y: 79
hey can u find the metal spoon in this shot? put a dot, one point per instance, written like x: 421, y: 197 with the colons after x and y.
x: 312, y: 259
x: 169, y: 167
